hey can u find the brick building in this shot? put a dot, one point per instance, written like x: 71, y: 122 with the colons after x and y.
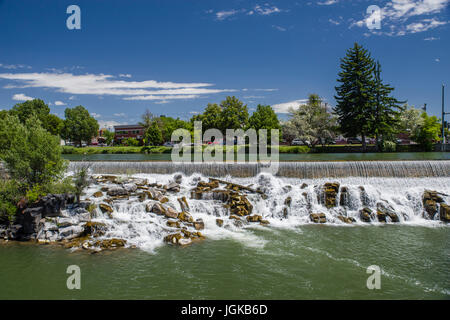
x: 128, y: 131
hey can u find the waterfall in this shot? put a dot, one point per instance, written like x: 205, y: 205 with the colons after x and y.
x: 301, y: 170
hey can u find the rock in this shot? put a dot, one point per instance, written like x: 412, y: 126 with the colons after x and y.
x: 105, y: 208
x: 117, y: 191
x: 330, y: 193
x: 199, y: 224
x: 109, y: 243
x: 288, y: 201
x: 365, y: 200
x: 318, y: 217
x: 303, y: 186
x: 384, y: 210
x: 156, y: 207
x: 29, y: 220
x: 346, y: 219
x: 430, y: 200
x: 105, y: 178
x: 254, y: 218
x: 264, y: 222
x: 178, y: 178
x: 344, y: 197
x: 185, y: 216
x: 219, y: 222
x: 173, y: 224
x: 183, y: 204
x: 184, y: 241
x: 171, y: 213
x: 50, y: 226
x: 444, y: 212
x: 365, y: 214
x: 94, y: 229
x: 130, y: 187
x: 141, y: 197
x: 98, y: 194
x: 70, y: 232
x: 65, y: 222
x: 173, y: 238
x: 172, y: 187
x: 285, y: 212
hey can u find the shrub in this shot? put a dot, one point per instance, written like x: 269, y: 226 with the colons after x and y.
x: 10, y: 194
x: 388, y: 146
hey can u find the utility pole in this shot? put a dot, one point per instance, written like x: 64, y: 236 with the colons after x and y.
x: 424, y: 108
x: 443, y: 116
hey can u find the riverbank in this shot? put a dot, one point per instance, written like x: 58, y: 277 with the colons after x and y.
x: 281, y: 149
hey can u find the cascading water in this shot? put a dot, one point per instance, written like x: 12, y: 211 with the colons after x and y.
x: 302, y: 170
x: 403, y: 195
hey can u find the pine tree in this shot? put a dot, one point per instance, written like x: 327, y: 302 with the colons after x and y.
x: 387, y: 109
x: 354, y: 95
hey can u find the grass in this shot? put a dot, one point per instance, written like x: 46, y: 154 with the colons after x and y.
x: 161, y: 149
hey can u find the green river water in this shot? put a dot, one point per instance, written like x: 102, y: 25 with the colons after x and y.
x: 308, y: 262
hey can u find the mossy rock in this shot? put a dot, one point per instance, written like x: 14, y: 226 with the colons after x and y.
x: 219, y: 222
x: 98, y: 194
x: 318, y: 217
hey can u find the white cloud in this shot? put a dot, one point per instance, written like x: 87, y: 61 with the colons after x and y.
x: 72, y: 98
x: 127, y: 75
x: 396, y: 14
x: 284, y: 107
x: 119, y: 114
x: 266, y: 90
x: 437, y: 60
x: 100, y: 84
x: 327, y: 2
x: 109, y: 124
x: 95, y: 115
x: 279, y: 28
x: 60, y: 103
x: 21, y: 97
x: 335, y: 22
x: 266, y: 10
x: 14, y: 66
x: 431, y: 39
x: 222, y: 15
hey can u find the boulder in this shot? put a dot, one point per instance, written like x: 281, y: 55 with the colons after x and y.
x: 430, y: 199
x: 98, y: 194
x: 219, y: 222
x: 303, y: 186
x: 130, y: 187
x: 183, y: 204
x: 173, y: 224
x: 346, y: 219
x: 156, y: 207
x: 172, y: 187
x: 199, y: 224
x: 288, y: 201
x: 254, y: 218
x: 171, y: 213
x: 173, y: 238
x: 344, y: 197
x: 444, y: 212
x: 29, y: 219
x: 318, y: 217
x: 264, y: 222
x: 71, y: 232
x: 330, y: 191
x: 117, y: 191
x: 384, y: 210
x: 94, y: 229
x: 365, y: 214
x: 178, y: 178
x: 105, y: 208
x: 185, y: 216
x: 65, y: 222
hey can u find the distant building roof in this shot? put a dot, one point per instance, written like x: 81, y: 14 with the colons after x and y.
x: 128, y: 126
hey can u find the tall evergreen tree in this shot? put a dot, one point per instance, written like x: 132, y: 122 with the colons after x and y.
x: 354, y: 95
x: 387, y: 109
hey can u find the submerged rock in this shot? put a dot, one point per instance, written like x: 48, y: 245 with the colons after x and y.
x: 318, y: 217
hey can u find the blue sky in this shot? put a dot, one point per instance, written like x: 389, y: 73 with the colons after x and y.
x: 174, y: 57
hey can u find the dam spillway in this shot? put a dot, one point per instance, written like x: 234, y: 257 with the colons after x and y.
x: 301, y: 170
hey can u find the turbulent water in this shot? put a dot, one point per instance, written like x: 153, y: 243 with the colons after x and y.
x: 291, y: 258
x: 131, y: 221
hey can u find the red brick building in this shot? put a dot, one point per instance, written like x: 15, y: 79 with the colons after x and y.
x: 128, y: 131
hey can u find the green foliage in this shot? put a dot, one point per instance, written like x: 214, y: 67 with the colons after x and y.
x: 210, y: 118
x: 386, y: 109
x: 34, y: 193
x: 388, y: 146
x: 310, y: 122
x: 234, y: 115
x: 109, y: 137
x: 294, y: 149
x: 153, y: 149
x: 354, y: 95
x: 427, y: 132
x: 131, y: 142
x: 153, y: 135
x: 10, y: 194
x: 410, y: 119
x: 100, y: 150
x: 81, y: 180
x: 79, y: 126
x: 38, y: 109
x: 31, y: 154
x: 264, y: 118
